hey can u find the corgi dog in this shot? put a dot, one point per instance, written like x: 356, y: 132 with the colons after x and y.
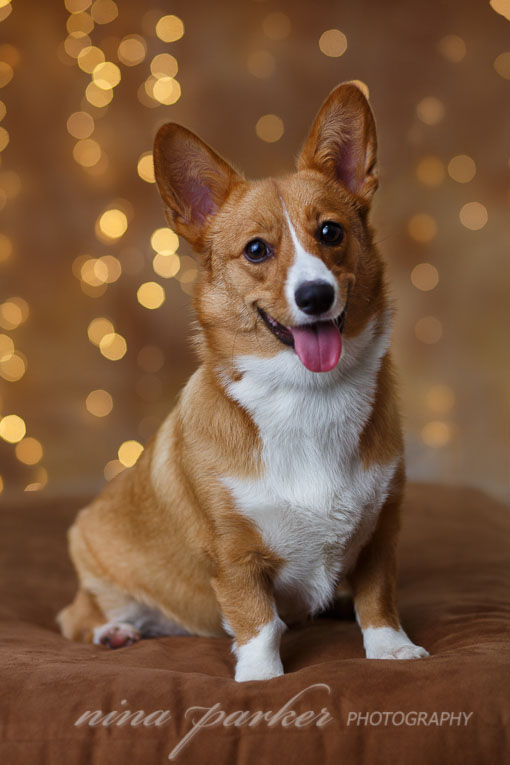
x: 277, y: 478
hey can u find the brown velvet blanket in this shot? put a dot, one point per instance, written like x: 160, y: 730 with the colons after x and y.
x: 332, y: 706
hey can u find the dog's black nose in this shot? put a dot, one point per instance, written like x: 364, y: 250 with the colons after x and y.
x: 315, y: 297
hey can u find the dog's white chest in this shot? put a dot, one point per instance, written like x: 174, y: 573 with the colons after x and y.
x: 314, y: 504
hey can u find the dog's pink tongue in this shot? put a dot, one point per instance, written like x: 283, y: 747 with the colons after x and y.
x: 318, y: 346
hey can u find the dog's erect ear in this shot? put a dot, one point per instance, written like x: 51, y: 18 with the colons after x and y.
x: 342, y: 143
x: 192, y: 179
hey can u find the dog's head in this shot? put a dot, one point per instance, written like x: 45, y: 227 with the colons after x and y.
x: 288, y: 262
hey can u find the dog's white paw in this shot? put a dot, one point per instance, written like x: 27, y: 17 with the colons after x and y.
x: 247, y: 670
x: 404, y: 652
x: 259, y: 658
x: 116, y: 635
x: 387, y: 643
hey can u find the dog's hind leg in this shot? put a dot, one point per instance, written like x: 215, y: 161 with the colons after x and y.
x: 129, y: 621
x: 79, y: 619
x: 113, y: 619
x: 102, y: 611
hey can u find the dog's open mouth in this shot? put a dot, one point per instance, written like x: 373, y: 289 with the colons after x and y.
x: 318, y: 345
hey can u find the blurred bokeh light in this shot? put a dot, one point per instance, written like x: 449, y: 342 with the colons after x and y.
x: 95, y: 316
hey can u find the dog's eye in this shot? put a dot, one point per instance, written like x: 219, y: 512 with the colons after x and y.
x: 256, y: 251
x: 330, y: 233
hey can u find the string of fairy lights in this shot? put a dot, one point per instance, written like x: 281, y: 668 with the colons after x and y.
x: 150, y: 49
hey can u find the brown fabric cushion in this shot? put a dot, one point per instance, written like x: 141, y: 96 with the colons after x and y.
x: 453, y: 594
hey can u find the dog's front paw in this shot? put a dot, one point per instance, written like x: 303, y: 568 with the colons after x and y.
x: 387, y: 643
x: 247, y: 670
x: 259, y: 657
x: 404, y: 652
x: 411, y: 651
x: 116, y: 635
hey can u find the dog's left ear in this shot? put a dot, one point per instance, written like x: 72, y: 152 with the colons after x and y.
x: 342, y: 143
x: 192, y: 179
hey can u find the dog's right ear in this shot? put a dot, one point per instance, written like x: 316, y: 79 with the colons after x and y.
x: 192, y: 179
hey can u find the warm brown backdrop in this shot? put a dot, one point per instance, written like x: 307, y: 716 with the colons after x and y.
x: 439, y: 81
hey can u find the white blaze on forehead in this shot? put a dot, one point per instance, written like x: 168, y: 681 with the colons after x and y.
x: 305, y: 268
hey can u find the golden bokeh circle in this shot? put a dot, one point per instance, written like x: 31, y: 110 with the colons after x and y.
x: 430, y: 171
x: 422, y: 228
x: 129, y: 452
x: 113, y: 346
x: 436, y: 433
x: 269, y: 128
x: 462, y: 168
x: 112, y: 224
x: 276, y: 26
x: 132, y: 50
x: 170, y: 28
x: 261, y: 64
x: 425, y: 277
x: 150, y: 295
x: 145, y: 167
x: 12, y: 428
x: 428, y: 330
x: 98, y: 328
x: 430, y: 110
x: 99, y: 403
x: 29, y: 451
x: 165, y: 241
x: 473, y: 215
x: 333, y: 43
